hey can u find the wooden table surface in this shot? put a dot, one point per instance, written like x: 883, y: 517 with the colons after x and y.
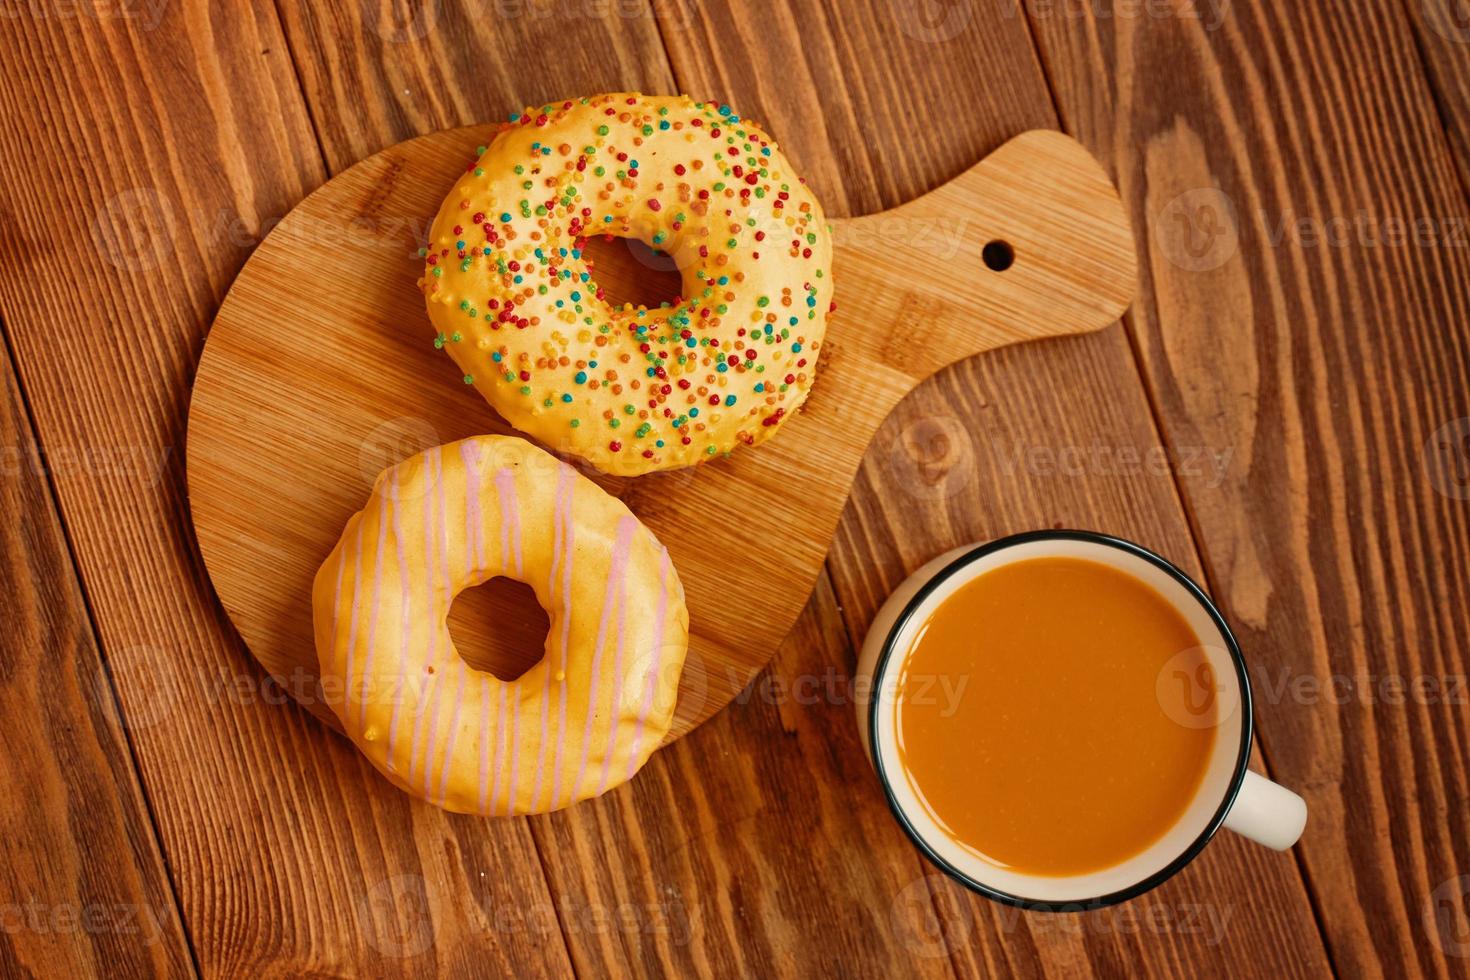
x: 1285, y: 412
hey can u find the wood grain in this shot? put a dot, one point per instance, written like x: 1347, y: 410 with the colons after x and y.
x: 379, y: 72
x: 1442, y: 34
x: 1351, y: 363
x: 83, y: 889
x: 1064, y: 458
x: 987, y: 447
x: 869, y: 918
x: 654, y: 852
x: 742, y: 836
x: 305, y: 394
x: 1302, y: 172
x: 143, y: 155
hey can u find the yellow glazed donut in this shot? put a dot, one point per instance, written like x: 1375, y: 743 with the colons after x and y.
x: 631, y: 390
x: 582, y: 720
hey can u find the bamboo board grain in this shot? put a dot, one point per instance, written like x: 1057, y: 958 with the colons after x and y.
x: 319, y: 372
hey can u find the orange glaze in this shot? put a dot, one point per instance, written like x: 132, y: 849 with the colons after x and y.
x: 1029, y: 723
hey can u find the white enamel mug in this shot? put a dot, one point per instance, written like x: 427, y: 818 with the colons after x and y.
x: 1230, y: 795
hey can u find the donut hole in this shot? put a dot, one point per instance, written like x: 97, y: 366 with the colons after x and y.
x: 631, y: 271
x: 499, y: 627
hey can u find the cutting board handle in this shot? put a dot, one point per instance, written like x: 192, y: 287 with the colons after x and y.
x: 1031, y: 242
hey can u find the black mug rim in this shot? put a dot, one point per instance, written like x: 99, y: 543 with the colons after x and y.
x: 885, y: 656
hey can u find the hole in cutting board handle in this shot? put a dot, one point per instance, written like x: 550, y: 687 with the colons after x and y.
x: 998, y: 255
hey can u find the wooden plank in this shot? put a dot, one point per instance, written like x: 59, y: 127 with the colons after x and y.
x: 143, y: 154
x: 83, y: 890
x: 962, y: 457
x: 1307, y: 288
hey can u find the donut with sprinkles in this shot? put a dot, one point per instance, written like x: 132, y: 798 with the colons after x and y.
x: 632, y: 389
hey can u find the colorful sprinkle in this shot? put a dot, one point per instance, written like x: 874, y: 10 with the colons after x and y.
x: 691, y: 180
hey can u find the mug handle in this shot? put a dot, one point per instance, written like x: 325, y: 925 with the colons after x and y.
x: 1267, y: 813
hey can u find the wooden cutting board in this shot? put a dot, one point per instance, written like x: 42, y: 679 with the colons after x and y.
x: 320, y: 371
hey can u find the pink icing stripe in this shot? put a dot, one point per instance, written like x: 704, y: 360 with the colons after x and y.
x: 556, y: 535
x: 658, y: 650
x: 484, y: 794
x: 510, y: 518
x: 432, y: 463
x: 564, y: 489
x: 487, y: 781
x: 618, y: 674
x: 337, y: 589
x: 612, y: 601
x: 515, y: 754
x: 453, y: 733
x: 500, y: 492
x: 510, y: 501
x: 474, y: 530
x: 337, y: 600
x: 372, y: 637
x: 474, y: 537
x: 509, y: 537
x: 404, y: 615
x: 441, y: 529
x: 356, y: 603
